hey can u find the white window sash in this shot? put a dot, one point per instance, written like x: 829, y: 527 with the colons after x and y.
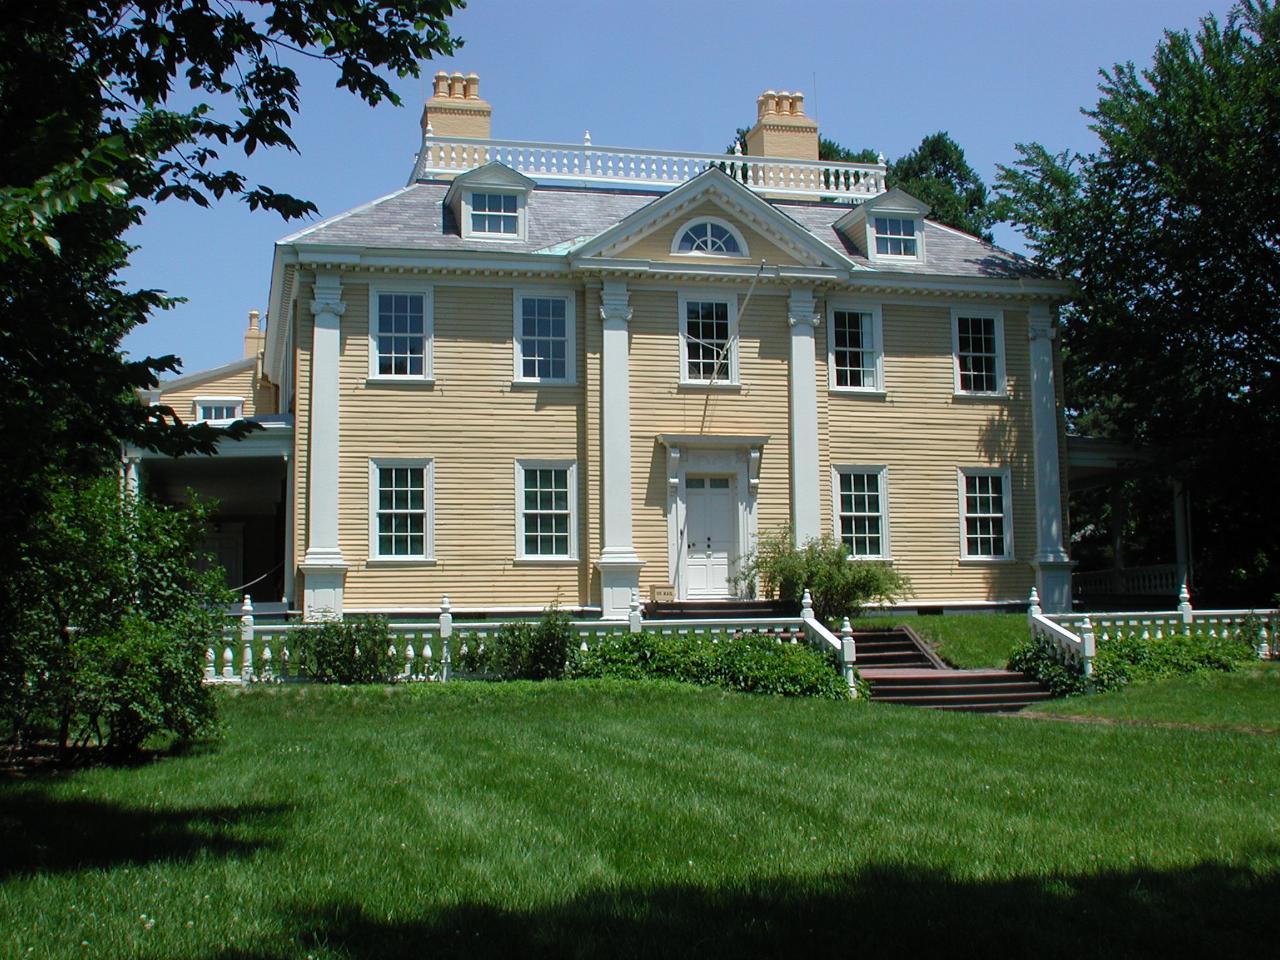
x: 571, y: 478
x: 881, y: 472
x: 427, y: 465
x: 570, y: 324
x: 427, y: 293
x: 876, y: 348
x: 1006, y: 515
x: 997, y: 318
x: 727, y: 356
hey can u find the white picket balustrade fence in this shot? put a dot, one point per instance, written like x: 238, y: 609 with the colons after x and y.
x: 1075, y: 636
x: 430, y: 650
x: 588, y: 164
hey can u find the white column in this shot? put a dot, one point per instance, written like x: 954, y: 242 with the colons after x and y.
x: 618, y: 563
x: 323, y: 567
x: 1053, y: 567
x: 806, y: 514
x: 289, y: 513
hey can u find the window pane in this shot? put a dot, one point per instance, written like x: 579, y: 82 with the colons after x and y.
x: 861, y: 514
x: 546, y: 515
x: 852, y: 351
x: 544, y: 338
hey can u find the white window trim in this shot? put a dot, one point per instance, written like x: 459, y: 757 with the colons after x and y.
x: 882, y: 471
x: 521, y: 226
x: 429, y: 496
x: 720, y: 297
x: 996, y: 314
x: 1007, y: 484
x: 877, y: 343
x: 237, y: 402
x: 427, y: 292
x: 918, y: 222
x: 571, y: 326
x: 743, y: 251
x: 526, y: 464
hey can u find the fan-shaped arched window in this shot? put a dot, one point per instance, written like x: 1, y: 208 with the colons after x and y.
x: 710, y: 237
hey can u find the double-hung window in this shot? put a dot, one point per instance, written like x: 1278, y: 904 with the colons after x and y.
x: 400, y: 328
x: 895, y: 237
x: 400, y: 521
x: 544, y: 337
x: 862, y: 511
x: 854, y: 354
x: 986, y: 518
x: 978, y: 340
x: 708, y: 340
x: 546, y: 514
x: 495, y: 214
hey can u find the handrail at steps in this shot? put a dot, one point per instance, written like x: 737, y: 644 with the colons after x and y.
x: 1079, y: 649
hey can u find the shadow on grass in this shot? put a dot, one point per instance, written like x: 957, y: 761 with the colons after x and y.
x: 886, y: 910
x: 45, y: 834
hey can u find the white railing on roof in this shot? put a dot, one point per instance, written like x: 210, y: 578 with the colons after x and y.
x: 623, y: 166
x: 254, y: 652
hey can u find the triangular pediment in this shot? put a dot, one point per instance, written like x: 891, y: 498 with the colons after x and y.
x: 494, y: 175
x: 650, y: 233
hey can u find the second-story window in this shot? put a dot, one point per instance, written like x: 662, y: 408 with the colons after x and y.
x: 707, y: 341
x: 855, y: 348
x: 495, y: 214
x: 895, y: 237
x: 979, y: 352
x: 544, y: 338
x: 400, y: 329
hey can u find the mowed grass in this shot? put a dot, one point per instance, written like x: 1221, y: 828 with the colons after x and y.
x: 1247, y: 699
x: 966, y: 640
x: 603, y: 819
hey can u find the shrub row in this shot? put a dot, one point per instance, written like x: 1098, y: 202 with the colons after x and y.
x: 1131, y: 659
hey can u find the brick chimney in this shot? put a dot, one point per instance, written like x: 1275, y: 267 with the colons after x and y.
x: 782, y: 129
x: 455, y: 108
x: 254, y: 338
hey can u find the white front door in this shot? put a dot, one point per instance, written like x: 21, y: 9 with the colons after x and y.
x: 710, y: 535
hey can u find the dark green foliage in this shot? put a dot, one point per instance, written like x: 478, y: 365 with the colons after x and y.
x: 937, y: 172
x: 525, y: 650
x: 118, y: 609
x: 1170, y: 229
x: 840, y: 587
x: 751, y: 662
x: 830, y: 150
x: 353, y: 650
x: 1131, y: 659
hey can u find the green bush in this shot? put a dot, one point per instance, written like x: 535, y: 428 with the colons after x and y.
x: 1131, y: 659
x: 753, y: 662
x: 840, y: 587
x: 118, y: 605
x: 524, y: 649
x: 354, y: 650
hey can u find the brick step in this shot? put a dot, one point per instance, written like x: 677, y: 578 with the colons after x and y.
x: 892, y: 676
x: 904, y: 658
x: 957, y: 689
x: 977, y: 691
x: 972, y: 697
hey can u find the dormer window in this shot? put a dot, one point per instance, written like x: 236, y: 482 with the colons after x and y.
x: 495, y: 214
x: 219, y: 409
x: 895, y: 237
x: 709, y: 237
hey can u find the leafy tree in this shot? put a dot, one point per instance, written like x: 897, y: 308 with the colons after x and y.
x: 830, y: 150
x: 85, y: 88
x: 1172, y: 231
x: 937, y: 173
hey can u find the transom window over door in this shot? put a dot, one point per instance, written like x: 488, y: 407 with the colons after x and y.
x: 979, y: 353
x: 707, y: 341
x: 544, y: 338
x: 401, y: 335
x: 495, y: 213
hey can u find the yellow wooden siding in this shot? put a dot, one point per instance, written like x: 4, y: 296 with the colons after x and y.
x: 657, y: 245
x: 659, y: 405
x: 243, y: 384
x: 924, y: 433
x: 474, y: 424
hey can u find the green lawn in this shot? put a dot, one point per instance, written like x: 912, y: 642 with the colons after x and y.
x: 1247, y: 698
x: 608, y: 819
x: 969, y: 640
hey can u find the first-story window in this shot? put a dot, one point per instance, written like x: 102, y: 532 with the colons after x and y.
x: 219, y: 409
x: 401, y: 340
x: 985, y: 514
x: 979, y: 352
x: 545, y: 509
x: 861, y: 513
x: 707, y: 341
x: 544, y: 338
x: 400, y: 491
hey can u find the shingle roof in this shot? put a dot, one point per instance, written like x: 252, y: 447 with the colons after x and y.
x: 416, y: 219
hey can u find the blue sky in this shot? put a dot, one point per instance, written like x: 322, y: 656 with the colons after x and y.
x: 677, y: 75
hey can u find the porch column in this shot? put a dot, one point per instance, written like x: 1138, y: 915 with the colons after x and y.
x: 806, y: 514
x: 618, y: 563
x: 323, y: 567
x: 1053, y: 567
x: 1181, y: 534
